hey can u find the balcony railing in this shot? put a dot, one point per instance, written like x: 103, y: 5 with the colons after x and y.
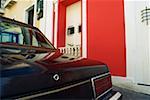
x: 73, y: 51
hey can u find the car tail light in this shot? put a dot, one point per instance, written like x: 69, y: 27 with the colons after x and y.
x: 101, y: 85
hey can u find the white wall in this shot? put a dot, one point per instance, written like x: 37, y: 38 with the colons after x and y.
x: 73, y: 18
x: 48, y: 12
x: 137, y: 42
x: 46, y: 23
x: 56, y: 22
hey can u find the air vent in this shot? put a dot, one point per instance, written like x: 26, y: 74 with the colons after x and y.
x: 71, y: 58
x: 65, y: 57
x: 54, y: 61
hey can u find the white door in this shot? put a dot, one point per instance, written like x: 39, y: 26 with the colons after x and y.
x: 137, y: 41
x: 73, y: 22
x: 143, y: 43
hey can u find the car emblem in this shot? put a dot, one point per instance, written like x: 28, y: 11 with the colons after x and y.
x: 56, y: 77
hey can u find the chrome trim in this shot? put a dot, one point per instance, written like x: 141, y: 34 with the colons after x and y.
x: 103, y: 93
x: 93, y: 85
x: 116, y: 96
x: 67, y: 87
x: 52, y: 91
x: 101, y: 75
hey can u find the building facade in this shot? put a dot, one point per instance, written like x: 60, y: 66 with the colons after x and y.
x: 115, y: 32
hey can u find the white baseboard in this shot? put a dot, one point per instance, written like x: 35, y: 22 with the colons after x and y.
x: 127, y: 83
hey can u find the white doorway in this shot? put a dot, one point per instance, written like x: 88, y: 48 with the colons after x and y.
x: 73, y: 25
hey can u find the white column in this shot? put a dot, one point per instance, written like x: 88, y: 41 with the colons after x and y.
x: 48, y: 19
x: 149, y: 55
x: 56, y: 23
x: 46, y: 22
x: 84, y: 28
x: 130, y: 34
x: 35, y: 15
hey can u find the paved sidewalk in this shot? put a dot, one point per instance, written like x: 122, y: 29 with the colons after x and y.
x: 131, y: 95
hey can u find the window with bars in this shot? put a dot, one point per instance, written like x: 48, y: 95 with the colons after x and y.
x: 145, y: 15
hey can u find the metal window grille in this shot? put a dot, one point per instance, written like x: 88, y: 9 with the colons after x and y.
x: 145, y: 15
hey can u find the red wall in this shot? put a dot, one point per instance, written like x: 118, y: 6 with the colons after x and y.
x: 106, y: 35
x: 61, y: 25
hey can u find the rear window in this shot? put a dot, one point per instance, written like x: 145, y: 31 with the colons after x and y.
x: 20, y: 35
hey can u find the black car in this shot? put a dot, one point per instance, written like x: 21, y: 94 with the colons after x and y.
x: 31, y: 68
